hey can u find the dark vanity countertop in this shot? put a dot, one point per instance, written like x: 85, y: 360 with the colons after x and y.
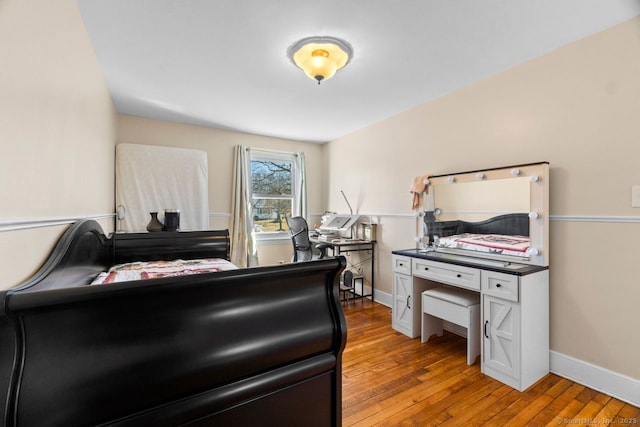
x: 467, y: 261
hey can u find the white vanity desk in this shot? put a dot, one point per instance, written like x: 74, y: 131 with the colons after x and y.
x: 510, y: 204
x: 514, y: 308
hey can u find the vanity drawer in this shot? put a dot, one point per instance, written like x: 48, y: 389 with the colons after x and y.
x: 500, y: 285
x: 450, y: 274
x: 401, y: 264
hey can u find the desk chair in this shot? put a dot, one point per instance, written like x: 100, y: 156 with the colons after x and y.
x: 303, y: 250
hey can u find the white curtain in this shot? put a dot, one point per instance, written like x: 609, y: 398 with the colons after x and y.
x: 243, y: 240
x: 301, y: 207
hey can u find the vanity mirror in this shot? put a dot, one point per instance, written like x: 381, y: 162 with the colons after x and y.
x: 500, y: 213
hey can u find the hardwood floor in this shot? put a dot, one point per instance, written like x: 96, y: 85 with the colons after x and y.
x: 391, y: 380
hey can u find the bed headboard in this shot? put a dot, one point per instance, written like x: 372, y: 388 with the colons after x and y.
x: 515, y: 224
x: 510, y: 200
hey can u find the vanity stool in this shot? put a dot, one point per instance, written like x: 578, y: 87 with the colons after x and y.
x: 456, y: 306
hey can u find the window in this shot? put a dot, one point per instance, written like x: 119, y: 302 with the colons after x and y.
x: 273, y: 191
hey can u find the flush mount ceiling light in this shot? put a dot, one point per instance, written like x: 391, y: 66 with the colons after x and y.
x: 320, y: 57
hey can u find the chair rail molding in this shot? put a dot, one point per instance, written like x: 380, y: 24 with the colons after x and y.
x: 28, y: 223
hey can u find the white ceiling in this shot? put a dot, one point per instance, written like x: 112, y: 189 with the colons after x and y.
x: 224, y: 64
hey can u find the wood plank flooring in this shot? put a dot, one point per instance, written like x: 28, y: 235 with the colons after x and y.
x: 389, y: 379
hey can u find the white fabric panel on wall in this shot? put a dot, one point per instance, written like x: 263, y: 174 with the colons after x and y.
x: 152, y: 179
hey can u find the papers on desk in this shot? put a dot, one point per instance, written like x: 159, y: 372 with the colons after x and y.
x: 327, y: 237
x: 336, y: 239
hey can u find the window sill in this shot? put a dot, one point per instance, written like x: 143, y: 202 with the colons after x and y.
x: 266, y: 238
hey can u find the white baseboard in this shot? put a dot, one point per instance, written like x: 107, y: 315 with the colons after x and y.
x: 612, y: 383
x: 383, y: 298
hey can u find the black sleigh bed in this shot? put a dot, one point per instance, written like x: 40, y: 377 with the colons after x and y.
x: 258, y: 346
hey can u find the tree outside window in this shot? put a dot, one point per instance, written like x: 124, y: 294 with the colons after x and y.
x: 273, y: 191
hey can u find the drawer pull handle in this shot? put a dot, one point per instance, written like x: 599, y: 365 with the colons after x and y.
x: 409, y: 301
x: 498, y: 285
x: 486, y: 323
x: 426, y: 268
x: 401, y: 264
x: 458, y: 275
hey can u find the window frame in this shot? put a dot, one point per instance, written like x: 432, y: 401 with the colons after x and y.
x: 276, y: 237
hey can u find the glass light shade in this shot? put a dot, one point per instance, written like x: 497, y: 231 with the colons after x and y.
x: 320, y: 58
x: 319, y: 67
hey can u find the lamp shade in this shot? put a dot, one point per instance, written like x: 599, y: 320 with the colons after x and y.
x: 320, y: 57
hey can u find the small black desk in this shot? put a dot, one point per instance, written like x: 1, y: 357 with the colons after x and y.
x: 352, y: 245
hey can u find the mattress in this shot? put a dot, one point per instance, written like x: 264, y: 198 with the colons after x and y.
x: 159, y: 269
x: 154, y: 179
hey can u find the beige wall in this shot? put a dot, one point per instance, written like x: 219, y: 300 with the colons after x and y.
x: 219, y: 145
x: 577, y: 108
x: 56, y: 129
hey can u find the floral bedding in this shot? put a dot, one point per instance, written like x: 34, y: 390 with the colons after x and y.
x: 491, y: 243
x: 158, y: 269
